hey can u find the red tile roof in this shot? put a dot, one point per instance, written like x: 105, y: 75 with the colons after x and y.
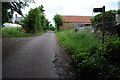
x: 83, y: 19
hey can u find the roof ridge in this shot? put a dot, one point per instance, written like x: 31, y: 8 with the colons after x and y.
x: 76, y: 18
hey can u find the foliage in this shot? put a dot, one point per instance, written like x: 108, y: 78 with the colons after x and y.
x: 16, y: 32
x: 35, y: 21
x: 51, y: 27
x: 118, y: 11
x: 109, y: 17
x: 46, y: 24
x: 58, y: 21
x: 8, y: 9
x: 92, y: 60
x: 111, y: 50
x: 77, y: 42
x: 13, y: 32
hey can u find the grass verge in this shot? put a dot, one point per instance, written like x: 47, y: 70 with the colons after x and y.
x: 91, y: 60
x: 16, y: 32
x: 77, y: 42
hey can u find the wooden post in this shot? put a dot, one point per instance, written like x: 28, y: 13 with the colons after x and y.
x: 103, y: 24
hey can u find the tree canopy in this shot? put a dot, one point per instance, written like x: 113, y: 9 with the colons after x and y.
x: 8, y: 9
x: 58, y: 21
x: 109, y: 17
x: 35, y: 20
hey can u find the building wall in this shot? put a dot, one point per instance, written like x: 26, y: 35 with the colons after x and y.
x: 69, y: 25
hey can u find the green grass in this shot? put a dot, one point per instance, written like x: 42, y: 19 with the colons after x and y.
x: 91, y: 60
x: 77, y: 42
x: 16, y: 32
x: 81, y: 46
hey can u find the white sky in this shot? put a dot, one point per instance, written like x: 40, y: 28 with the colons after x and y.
x: 71, y: 7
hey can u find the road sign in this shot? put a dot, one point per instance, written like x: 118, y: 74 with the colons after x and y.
x: 103, y: 19
x: 98, y: 10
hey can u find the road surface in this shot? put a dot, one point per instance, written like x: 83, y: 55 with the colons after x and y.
x: 31, y: 57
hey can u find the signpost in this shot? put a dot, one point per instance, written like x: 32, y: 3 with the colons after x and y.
x: 103, y: 19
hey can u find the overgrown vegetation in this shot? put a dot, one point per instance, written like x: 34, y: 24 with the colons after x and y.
x: 33, y: 24
x: 109, y: 18
x: 16, y: 33
x: 35, y: 21
x: 92, y: 60
x: 8, y: 9
x: 58, y: 21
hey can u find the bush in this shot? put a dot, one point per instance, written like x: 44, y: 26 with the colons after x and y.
x: 90, y: 66
x: 35, y: 21
x: 92, y: 60
x: 13, y: 32
x: 77, y: 42
x: 109, y: 17
x: 111, y: 50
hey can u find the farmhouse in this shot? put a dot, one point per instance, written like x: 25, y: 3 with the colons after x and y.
x: 17, y: 19
x: 73, y: 21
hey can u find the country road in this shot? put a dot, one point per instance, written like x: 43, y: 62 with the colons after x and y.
x: 34, y: 57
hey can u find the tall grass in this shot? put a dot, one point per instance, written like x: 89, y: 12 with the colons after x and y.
x: 16, y: 32
x: 92, y: 60
x: 77, y: 42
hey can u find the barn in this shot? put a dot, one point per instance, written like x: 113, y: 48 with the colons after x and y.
x: 73, y: 21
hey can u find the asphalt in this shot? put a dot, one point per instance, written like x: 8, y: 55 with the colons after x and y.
x: 33, y: 59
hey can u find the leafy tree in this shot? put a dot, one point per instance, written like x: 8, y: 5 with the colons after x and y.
x: 8, y: 9
x: 51, y: 27
x: 35, y: 21
x: 58, y: 21
x: 109, y: 17
x: 46, y: 24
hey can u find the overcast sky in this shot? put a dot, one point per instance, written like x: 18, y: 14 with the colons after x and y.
x: 71, y: 7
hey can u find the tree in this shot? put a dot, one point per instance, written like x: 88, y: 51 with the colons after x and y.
x: 58, y: 21
x: 51, y: 27
x: 46, y: 24
x: 35, y: 21
x: 8, y: 9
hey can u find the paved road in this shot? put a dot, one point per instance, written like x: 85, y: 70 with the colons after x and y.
x: 33, y: 59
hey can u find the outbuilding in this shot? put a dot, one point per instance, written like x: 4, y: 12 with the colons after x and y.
x: 73, y: 21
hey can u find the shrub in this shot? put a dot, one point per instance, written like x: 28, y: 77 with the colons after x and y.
x: 92, y: 60
x: 111, y: 50
x: 109, y: 17
x: 35, y: 21
x: 78, y: 58
x: 13, y: 32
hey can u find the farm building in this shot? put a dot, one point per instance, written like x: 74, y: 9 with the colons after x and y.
x: 73, y: 21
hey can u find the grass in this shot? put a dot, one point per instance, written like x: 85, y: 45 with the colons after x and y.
x: 80, y: 46
x: 16, y: 32
x: 91, y: 60
x: 77, y: 42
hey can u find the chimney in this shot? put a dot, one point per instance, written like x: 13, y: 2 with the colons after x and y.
x: 15, y: 15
